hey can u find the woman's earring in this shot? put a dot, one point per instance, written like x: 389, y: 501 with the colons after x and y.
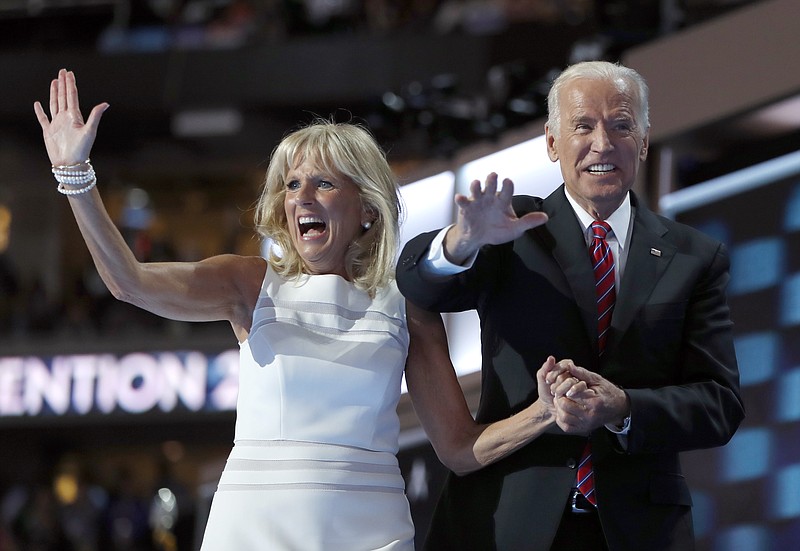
x: 366, y: 225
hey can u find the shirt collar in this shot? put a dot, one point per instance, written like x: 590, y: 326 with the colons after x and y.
x: 619, y: 220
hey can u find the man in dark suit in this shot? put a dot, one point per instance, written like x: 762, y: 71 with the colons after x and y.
x: 662, y: 379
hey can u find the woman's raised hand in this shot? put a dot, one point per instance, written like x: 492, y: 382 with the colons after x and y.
x: 67, y: 137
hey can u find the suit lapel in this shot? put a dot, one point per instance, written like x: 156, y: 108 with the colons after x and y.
x: 648, y: 258
x: 570, y: 252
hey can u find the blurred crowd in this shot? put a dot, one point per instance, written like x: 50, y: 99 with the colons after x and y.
x: 76, y: 510
x: 153, y: 25
x: 80, y: 308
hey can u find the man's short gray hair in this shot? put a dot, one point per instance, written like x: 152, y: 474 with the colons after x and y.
x: 625, y: 77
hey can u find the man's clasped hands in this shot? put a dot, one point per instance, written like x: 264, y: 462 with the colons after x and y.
x: 581, y: 399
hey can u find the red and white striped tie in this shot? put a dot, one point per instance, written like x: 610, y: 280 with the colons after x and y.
x: 603, y: 262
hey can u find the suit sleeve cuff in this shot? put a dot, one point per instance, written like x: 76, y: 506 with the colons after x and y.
x: 436, y: 263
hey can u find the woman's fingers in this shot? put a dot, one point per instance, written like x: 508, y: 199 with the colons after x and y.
x: 40, y: 115
x: 72, y: 92
x: 53, y: 97
x: 61, y: 88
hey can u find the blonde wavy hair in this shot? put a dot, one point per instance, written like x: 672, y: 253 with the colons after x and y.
x: 348, y: 149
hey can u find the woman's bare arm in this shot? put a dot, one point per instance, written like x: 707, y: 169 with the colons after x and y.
x: 219, y: 288
x: 460, y: 443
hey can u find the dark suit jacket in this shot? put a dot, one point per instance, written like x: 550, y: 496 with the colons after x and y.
x: 671, y: 349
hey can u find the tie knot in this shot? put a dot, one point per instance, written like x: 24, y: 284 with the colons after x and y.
x: 600, y: 229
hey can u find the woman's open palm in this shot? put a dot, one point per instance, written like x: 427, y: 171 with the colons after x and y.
x: 67, y: 137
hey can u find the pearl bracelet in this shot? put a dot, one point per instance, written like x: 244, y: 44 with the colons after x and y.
x: 75, y: 178
x: 67, y: 177
x: 76, y: 191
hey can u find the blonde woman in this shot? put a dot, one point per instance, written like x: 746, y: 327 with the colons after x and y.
x: 325, y: 337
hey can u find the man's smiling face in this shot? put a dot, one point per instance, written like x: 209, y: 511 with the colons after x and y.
x: 599, y: 143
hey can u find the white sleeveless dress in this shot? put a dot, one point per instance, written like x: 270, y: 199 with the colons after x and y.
x: 314, y: 463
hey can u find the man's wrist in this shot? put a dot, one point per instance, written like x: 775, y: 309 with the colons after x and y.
x: 435, y: 265
x: 622, y: 425
x: 454, y: 248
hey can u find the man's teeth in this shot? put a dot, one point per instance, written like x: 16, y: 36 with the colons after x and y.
x: 601, y: 168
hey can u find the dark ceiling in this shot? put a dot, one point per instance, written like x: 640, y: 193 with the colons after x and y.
x: 270, y: 65
x: 198, y: 82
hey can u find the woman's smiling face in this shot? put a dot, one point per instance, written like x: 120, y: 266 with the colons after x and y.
x: 324, y: 215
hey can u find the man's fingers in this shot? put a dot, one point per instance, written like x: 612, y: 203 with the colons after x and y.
x: 568, y: 422
x: 552, y: 371
x: 583, y: 373
x: 462, y: 201
x: 507, y: 191
x: 571, y: 416
x: 563, y: 384
x: 475, y: 189
x: 577, y: 389
x: 565, y: 363
x: 534, y: 219
x: 490, y: 189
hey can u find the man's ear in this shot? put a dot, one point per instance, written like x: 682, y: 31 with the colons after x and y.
x: 552, y: 151
x: 645, y: 146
